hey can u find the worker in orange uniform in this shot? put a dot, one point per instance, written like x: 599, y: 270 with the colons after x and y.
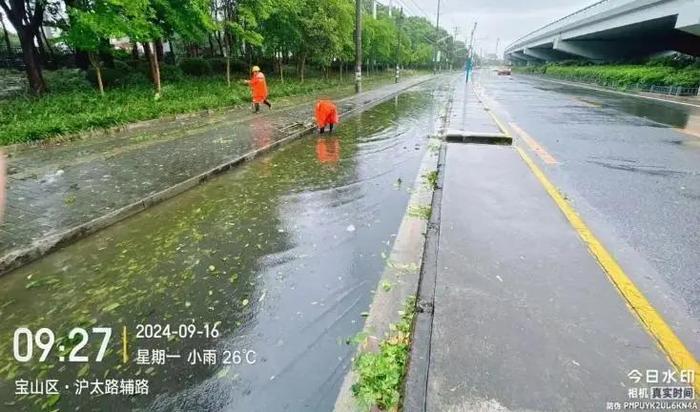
x: 326, y: 115
x: 258, y: 88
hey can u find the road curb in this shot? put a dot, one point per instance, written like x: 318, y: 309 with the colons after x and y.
x: 416, y: 385
x: 20, y: 257
x: 404, y: 266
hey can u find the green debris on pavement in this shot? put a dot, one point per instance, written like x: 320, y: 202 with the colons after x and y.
x: 421, y: 212
x: 381, y: 374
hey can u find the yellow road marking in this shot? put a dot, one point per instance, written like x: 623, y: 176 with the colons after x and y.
x: 125, y: 355
x: 652, y: 321
x: 490, y: 112
x: 498, y: 122
x: 536, y: 147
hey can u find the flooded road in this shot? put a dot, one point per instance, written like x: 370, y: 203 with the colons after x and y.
x: 281, y: 256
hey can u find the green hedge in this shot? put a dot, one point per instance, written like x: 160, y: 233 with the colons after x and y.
x: 622, y: 75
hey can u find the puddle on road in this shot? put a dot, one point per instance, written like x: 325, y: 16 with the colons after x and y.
x: 284, y: 252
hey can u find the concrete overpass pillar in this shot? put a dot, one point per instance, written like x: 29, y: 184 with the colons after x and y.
x: 542, y: 54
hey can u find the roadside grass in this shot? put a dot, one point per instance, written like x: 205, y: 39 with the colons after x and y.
x: 27, y: 119
x: 381, y: 374
x: 431, y: 179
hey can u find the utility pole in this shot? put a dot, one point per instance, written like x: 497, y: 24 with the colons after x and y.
x: 437, y: 35
x: 398, y: 45
x: 374, y: 9
x: 454, y: 39
x: 470, y: 52
x: 358, y: 46
x: 471, y: 39
x: 498, y: 40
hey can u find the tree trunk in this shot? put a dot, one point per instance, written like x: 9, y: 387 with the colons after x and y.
x: 341, y: 71
x: 135, y: 51
x: 105, y: 55
x: 228, y: 71
x: 211, y: 45
x: 302, y: 68
x: 6, y: 35
x: 47, y: 43
x: 280, y: 67
x: 160, y: 54
x: 219, y: 43
x: 227, y: 55
x: 229, y: 43
x: 153, y: 64
x: 31, y: 62
x: 189, y: 50
x: 156, y: 68
x: 40, y: 50
x: 172, y: 51
x: 148, y: 53
x: 94, y: 60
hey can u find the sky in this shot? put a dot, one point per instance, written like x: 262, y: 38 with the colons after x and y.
x: 504, y: 19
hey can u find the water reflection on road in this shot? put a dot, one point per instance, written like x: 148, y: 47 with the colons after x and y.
x: 284, y: 252
x: 683, y: 117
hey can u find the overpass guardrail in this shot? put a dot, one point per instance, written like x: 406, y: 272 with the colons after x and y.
x: 588, y: 11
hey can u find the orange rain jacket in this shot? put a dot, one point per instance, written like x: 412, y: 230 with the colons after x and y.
x: 258, y: 87
x: 326, y: 113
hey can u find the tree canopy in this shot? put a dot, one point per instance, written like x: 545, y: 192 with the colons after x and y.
x: 304, y: 32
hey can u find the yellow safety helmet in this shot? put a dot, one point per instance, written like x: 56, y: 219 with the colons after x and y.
x: 256, y: 69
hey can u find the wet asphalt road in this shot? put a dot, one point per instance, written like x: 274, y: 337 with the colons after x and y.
x: 284, y: 252
x: 631, y: 167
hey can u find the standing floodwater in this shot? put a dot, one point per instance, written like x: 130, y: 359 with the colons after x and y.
x: 283, y: 252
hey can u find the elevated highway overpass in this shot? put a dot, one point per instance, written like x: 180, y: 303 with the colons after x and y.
x: 613, y: 30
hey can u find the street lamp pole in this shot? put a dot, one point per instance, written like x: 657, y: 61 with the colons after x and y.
x: 358, y: 46
x: 398, y: 45
x: 437, y: 33
x: 470, y: 52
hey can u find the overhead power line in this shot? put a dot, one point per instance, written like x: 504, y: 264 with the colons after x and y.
x: 407, y: 8
x: 426, y: 15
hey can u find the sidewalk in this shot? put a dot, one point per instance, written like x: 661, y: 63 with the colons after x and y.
x: 523, y: 318
x: 58, y: 193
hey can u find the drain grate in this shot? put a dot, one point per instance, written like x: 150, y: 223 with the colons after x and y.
x: 462, y: 136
